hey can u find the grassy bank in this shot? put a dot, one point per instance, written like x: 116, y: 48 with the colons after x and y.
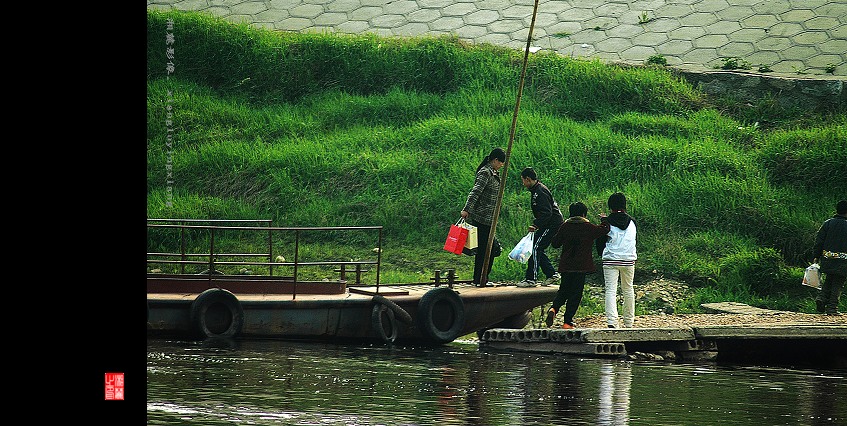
x: 328, y: 130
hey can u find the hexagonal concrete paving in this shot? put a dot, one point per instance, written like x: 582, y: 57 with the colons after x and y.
x: 782, y: 37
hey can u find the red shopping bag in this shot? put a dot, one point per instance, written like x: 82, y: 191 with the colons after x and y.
x: 456, y: 239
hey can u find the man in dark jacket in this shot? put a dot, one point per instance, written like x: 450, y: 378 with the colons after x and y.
x: 831, y: 250
x: 576, y: 238
x: 546, y: 222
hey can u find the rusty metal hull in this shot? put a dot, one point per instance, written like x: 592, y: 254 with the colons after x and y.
x: 347, y: 315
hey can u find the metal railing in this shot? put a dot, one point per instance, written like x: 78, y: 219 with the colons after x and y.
x: 213, y: 258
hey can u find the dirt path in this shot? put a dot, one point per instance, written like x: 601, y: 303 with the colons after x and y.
x: 691, y: 320
x: 660, y: 294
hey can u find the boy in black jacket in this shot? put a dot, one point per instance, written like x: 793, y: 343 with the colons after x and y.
x: 546, y: 222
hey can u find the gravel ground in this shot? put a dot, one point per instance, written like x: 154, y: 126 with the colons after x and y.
x: 691, y: 320
x: 659, y: 294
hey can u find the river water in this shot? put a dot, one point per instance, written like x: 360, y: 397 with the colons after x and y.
x: 264, y: 382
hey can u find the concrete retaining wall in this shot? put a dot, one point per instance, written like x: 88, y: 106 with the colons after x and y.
x: 811, y: 93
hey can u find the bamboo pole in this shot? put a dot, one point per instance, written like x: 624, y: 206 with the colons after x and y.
x: 484, y: 277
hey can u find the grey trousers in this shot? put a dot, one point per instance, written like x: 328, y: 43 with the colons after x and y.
x: 831, y: 292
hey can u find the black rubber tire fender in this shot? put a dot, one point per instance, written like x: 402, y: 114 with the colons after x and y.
x: 399, y: 312
x: 384, y: 323
x: 441, y: 315
x: 216, y: 312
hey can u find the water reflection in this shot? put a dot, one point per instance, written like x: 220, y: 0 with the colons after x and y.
x: 290, y: 383
x: 448, y: 394
x: 567, y: 394
x: 615, y: 383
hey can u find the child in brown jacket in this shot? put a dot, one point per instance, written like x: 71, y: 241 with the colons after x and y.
x: 576, y: 238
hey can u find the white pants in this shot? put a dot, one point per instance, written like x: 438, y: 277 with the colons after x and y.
x: 610, y: 276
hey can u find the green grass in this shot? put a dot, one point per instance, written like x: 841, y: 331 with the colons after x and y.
x: 331, y: 130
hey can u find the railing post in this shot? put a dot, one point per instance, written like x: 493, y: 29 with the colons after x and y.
x: 296, y: 260
x: 343, y: 278
x: 358, y: 274
x: 437, y: 277
x: 378, y: 258
x: 211, y: 253
x: 182, y: 248
x: 270, y: 253
x: 451, y: 277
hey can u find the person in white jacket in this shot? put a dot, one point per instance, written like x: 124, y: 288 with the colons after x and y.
x: 618, y: 253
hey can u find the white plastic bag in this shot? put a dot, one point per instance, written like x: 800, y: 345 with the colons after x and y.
x: 523, y: 250
x: 812, y: 277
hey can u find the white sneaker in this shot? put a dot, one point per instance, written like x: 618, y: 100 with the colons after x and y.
x: 526, y: 284
x: 556, y: 277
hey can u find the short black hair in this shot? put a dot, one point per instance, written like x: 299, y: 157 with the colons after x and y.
x: 617, y: 201
x: 497, y: 153
x: 841, y: 207
x: 577, y: 209
x: 529, y: 172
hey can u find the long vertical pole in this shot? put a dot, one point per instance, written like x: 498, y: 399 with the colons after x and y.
x: 485, y: 265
